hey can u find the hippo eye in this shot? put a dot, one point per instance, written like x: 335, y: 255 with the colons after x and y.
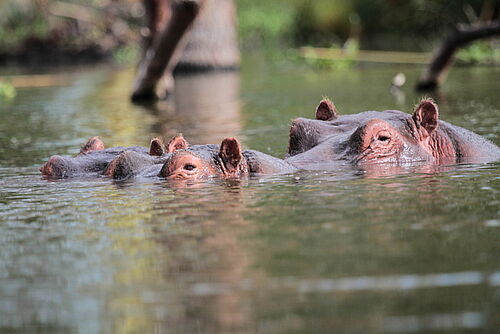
x: 189, y: 167
x: 383, y: 136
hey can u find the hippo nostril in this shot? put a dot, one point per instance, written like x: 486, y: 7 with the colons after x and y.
x: 175, y: 176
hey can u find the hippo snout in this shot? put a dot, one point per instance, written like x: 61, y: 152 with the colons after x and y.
x: 56, y: 167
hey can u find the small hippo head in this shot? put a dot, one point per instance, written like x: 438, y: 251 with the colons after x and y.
x: 388, y: 136
x: 205, y: 161
x: 130, y: 163
x: 58, y: 167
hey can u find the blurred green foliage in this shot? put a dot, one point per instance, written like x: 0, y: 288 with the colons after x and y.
x: 96, y: 28
x: 265, y: 23
x: 74, y: 29
x: 378, y: 24
x: 126, y: 54
x: 479, y: 52
x: 350, y: 25
x: 7, y: 91
x: 13, y: 29
x: 349, y: 51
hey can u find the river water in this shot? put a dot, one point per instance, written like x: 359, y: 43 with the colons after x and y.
x: 351, y: 251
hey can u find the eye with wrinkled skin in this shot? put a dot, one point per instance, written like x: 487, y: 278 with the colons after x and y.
x: 378, y: 142
x: 383, y: 136
x: 376, y: 133
x: 189, y: 167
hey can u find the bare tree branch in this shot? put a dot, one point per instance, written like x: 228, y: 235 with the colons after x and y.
x: 442, y: 57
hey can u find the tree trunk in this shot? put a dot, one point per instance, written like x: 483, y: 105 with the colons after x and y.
x: 185, y: 35
x: 213, y: 42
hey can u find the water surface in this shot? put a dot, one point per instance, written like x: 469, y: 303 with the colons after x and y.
x: 394, y: 251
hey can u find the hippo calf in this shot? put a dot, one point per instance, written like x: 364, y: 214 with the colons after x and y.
x: 389, y: 137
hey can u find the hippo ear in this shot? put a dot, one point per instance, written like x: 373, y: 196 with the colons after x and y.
x: 326, y: 110
x: 93, y: 144
x: 230, y: 153
x: 156, y: 147
x: 426, y: 115
x: 177, y: 143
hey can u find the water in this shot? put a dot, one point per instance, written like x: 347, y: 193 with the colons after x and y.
x: 390, y: 251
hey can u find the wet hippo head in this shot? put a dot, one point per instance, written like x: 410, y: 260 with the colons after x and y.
x: 130, y: 163
x: 205, y: 161
x: 389, y: 136
x: 58, y: 167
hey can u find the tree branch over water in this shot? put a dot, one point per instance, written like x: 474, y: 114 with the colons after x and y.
x: 163, y: 50
x: 442, y: 57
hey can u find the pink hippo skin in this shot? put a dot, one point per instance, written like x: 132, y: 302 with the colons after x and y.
x: 388, y: 137
x: 226, y: 160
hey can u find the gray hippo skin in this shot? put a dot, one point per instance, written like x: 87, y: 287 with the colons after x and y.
x: 176, y: 160
x: 226, y: 160
x: 186, y: 162
x: 389, y: 137
x: 94, y: 159
x: 131, y: 163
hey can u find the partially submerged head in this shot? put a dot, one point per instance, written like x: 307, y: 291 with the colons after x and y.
x: 58, y: 167
x: 205, y: 161
x: 130, y: 163
x: 389, y: 136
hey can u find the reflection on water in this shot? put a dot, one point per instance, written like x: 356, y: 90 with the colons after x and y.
x: 412, y: 249
x: 206, y: 108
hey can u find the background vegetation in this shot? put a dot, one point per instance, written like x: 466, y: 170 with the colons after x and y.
x: 59, y: 30
x: 412, y: 25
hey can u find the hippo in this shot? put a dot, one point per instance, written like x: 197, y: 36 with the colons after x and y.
x: 130, y: 163
x: 227, y: 160
x: 176, y: 160
x: 388, y: 137
x: 93, y: 159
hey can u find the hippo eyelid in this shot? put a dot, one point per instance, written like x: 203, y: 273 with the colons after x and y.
x: 383, y: 136
x: 189, y: 167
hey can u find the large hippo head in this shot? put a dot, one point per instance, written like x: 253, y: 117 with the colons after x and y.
x: 389, y: 136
